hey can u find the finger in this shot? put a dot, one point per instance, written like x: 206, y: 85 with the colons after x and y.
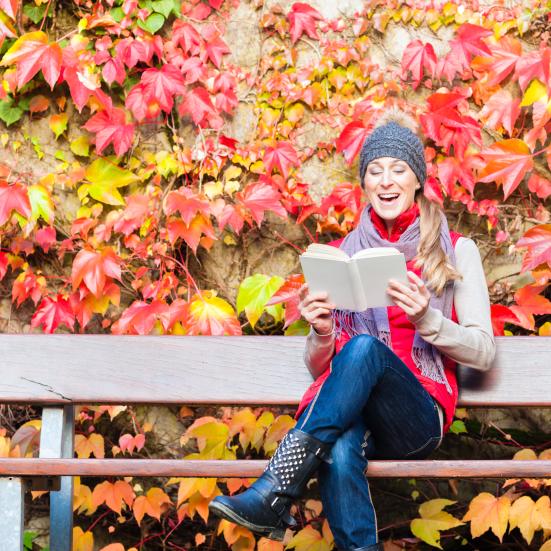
x: 303, y: 291
x: 312, y: 297
x: 318, y: 312
x: 403, y: 288
x: 407, y: 299
x: 405, y: 308
x: 319, y: 304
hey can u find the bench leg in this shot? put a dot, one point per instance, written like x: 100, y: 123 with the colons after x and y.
x: 57, y: 440
x: 12, y: 512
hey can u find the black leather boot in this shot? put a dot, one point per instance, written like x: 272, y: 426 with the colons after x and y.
x: 264, y: 507
x: 375, y: 547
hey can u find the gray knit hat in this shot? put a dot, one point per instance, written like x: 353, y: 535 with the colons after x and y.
x: 394, y: 140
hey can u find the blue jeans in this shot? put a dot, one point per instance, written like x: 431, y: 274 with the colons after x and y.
x: 370, y: 406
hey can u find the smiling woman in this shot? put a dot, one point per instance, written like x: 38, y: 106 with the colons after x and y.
x: 386, y: 382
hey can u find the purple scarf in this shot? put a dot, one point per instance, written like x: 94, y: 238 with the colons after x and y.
x: 374, y: 321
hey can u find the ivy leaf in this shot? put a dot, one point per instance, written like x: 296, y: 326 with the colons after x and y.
x: 13, y: 197
x: 215, y: 46
x: 288, y: 293
x: 433, y: 520
x: 9, y: 7
x: 487, y: 512
x: 458, y: 427
x: 417, y: 58
x: 81, y: 146
x: 31, y: 53
x: 187, y: 203
x: 110, y: 126
x: 507, y: 162
x: 152, y: 23
x: 501, y: 110
x: 53, y: 312
x: 161, y: 85
x: 82, y: 541
x: 105, y: 177
x: 36, y: 13
x: 260, y: 197
x: 114, y: 495
x: 282, y: 156
x: 9, y: 112
x: 41, y: 203
x: 211, y: 315
x: 198, y: 105
x: 309, y: 539
x: 58, y: 124
x: 351, y: 139
x: 538, y: 242
x: 150, y: 504
x: 254, y: 292
x: 539, y: 185
x: 191, y: 233
x: 94, y: 268
x: 529, y: 516
x: 533, y: 65
x: 468, y: 44
x: 163, y: 6
x: 140, y: 317
x: 85, y: 446
x: 302, y: 19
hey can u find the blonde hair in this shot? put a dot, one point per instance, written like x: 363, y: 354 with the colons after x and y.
x: 431, y: 258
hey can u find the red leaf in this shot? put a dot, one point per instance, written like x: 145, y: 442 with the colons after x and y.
x: 215, y: 46
x: 351, y: 140
x: 191, y: 233
x: 416, y: 58
x: 501, y: 110
x: 187, y: 37
x: 134, y: 215
x: 26, y: 285
x: 507, y: 162
x: 540, y: 186
x: 468, y: 44
x: 288, y: 293
x: 94, y: 268
x: 45, y: 237
x: 139, y: 318
x: 226, y: 213
x: 503, y: 60
x: 9, y: 7
x: 13, y: 198
x: 433, y: 191
x: 528, y: 297
x: 302, y: 19
x: 450, y: 170
x: 161, y: 85
x: 110, y: 127
x: 31, y: 53
x: 282, y: 156
x: 538, y: 241
x: 52, y: 313
x: 260, y: 197
x: 501, y: 315
x: 3, y: 265
x: 187, y: 203
x: 534, y: 64
x: 200, y: 12
x: 198, y: 105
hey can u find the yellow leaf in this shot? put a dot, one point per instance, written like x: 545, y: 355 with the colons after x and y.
x: 232, y: 173
x: 82, y: 498
x: 151, y: 504
x: 546, y: 546
x: 105, y: 177
x: 81, y: 146
x: 113, y: 547
x: 525, y: 454
x: 488, y: 512
x: 524, y: 516
x: 309, y: 539
x: 41, y: 203
x: 82, y: 541
x: 264, y: 544
x: 58, y: 124
x: 433, y: 520
x: 277, y: 431
x: 94, y: 444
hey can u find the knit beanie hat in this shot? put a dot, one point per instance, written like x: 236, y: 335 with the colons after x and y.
x: 393, y: 137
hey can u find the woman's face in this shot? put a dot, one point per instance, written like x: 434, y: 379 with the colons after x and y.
x: 390, y: 186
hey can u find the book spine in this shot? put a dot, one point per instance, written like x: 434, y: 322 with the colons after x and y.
x: 357, y: 287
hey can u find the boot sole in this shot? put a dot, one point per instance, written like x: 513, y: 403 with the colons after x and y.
x: 270, y: 532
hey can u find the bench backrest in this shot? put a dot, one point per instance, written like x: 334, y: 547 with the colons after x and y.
x: 105, y: 369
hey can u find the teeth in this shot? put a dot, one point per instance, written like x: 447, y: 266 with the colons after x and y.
x: 389, y: 195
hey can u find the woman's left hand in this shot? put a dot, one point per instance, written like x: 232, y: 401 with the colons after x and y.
x: 413, y: 297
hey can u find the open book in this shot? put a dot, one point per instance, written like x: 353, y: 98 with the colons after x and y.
x: 353, y: 283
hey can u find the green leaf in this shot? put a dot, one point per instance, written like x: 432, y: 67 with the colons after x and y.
x: 153, y: 23
x: 81, y: 146
x: 163, y: 6
x: 458, y: 427
x: 117, y: 14
x: 41, y: 203
x: 254, y: 292
x: 105, y: 177
x: 36, y: 13
x: 298, y: 328
x: 433, y: 520
x: 28, y: 538
x: 8, y: 112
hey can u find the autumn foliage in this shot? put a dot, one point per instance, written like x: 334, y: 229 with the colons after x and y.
x: 142, y: 175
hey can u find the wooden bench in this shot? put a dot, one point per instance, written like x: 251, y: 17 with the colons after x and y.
x: 60, y: 371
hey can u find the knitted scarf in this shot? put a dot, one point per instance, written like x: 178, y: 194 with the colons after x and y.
x: 374, y: 321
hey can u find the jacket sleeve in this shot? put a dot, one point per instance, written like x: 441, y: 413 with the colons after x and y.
x: 318, y: 352
x: 471, y: 341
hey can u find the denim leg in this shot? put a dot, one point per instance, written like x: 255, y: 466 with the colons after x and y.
x: 367, y: 378
x: 344, y: 489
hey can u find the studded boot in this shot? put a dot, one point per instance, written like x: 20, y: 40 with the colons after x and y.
x: 264, y: 507
x: 374, y: 547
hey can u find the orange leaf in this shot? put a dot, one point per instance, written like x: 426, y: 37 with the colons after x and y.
x: 211, y: 315
x: 487, y: 512
x: 82, y: 541
x: 94, y: 268
x: 94, y: 444
x: 151, y: 504
x: 113, y: 495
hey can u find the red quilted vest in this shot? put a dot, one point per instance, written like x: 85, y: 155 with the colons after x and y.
x: 402, y: 332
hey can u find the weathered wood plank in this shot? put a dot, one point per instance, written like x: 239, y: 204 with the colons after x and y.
x: 253, y: 468
x: 108, y: 369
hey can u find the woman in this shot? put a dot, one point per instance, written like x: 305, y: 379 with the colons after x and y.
x: 385, y: 378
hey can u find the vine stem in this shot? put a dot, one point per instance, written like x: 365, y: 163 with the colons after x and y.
x: 45, y: 15
x: 93, y: 525
x: 185, y: 268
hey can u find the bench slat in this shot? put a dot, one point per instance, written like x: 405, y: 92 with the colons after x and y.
x: 108, y: 369
x: 253, y: 468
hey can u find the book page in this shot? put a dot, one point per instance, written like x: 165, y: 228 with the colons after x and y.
x: 335, y: 277
x: 320, y: 249
x: 376, y: 251
x: 374, y: 274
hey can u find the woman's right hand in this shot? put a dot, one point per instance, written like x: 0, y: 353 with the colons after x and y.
x: 316, y: 310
